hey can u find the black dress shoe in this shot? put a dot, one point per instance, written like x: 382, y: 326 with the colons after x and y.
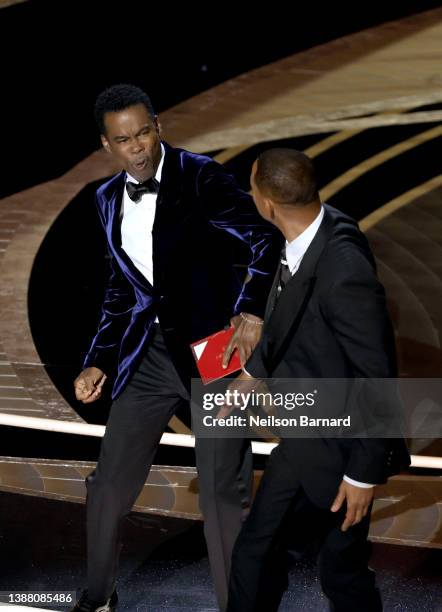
x: 84, y: 604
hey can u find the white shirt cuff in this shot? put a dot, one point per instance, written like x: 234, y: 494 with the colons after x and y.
x: 356, y: 483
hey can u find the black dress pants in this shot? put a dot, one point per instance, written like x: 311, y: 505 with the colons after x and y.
x: 137, y: 420
x: 258, y: 578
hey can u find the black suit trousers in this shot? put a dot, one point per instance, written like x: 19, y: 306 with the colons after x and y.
x: 137, y: 420
x: 282, y: 511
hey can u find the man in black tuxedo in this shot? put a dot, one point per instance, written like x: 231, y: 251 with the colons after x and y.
x: 326, y: 318
x: 163, y: 293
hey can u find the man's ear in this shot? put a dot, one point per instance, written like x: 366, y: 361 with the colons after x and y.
x: 270, y: 208
x: 105, y: 143
x: 157, y: 124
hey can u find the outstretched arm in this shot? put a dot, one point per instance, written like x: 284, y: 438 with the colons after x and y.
x: 230, y: 208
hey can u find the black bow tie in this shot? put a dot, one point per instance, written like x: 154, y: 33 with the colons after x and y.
x: 136, y: 190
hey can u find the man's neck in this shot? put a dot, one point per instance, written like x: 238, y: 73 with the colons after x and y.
x: 293, y: 222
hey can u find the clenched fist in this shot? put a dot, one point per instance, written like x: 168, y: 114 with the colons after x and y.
x: 88, y: 385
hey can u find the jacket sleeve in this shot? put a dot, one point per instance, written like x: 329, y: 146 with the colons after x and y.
x: 256, y: 365
x: 118, y: 302
x: 355, y: 308
x: 230, y: 208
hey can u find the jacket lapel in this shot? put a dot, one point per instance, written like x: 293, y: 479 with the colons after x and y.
x: 114, y: 235
x: 271, y: 300
x: 288, y: 310
x: 115, y: 202
x: 170, y: 216
x: 171, y: 185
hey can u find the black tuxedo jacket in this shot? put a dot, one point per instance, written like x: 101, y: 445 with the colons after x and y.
x: 331, y: 321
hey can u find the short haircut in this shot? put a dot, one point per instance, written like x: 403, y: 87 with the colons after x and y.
x: 287, y: 177
x: 117, y: 98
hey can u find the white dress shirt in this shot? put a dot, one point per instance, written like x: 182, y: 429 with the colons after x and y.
x: 296, y: 249
x: 137, y: 220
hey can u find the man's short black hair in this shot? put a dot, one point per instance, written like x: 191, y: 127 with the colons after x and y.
x: 117, y: 98
x: 286, y: 176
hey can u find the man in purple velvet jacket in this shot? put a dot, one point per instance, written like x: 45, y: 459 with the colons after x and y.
x: 156, y: 213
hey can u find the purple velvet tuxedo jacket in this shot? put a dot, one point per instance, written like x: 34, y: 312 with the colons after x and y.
x: 195, y: 193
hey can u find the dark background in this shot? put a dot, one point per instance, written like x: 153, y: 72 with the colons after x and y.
x: 57, y: 56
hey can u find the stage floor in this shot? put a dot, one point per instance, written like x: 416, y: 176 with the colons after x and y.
x: 164, y: 566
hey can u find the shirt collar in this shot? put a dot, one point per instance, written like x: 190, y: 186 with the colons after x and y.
x: 159, y: 171
x: 296, y: 249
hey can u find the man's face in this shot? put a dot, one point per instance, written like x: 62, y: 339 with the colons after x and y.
x: 257, y: 197
x: 132, y: 136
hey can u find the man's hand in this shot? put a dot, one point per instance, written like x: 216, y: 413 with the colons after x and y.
x: 88, y: 385
x: 245, y: 338
x: 358, y: 501
x: 243, y: 384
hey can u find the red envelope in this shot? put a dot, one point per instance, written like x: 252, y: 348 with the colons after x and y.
x: 209, y: 352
